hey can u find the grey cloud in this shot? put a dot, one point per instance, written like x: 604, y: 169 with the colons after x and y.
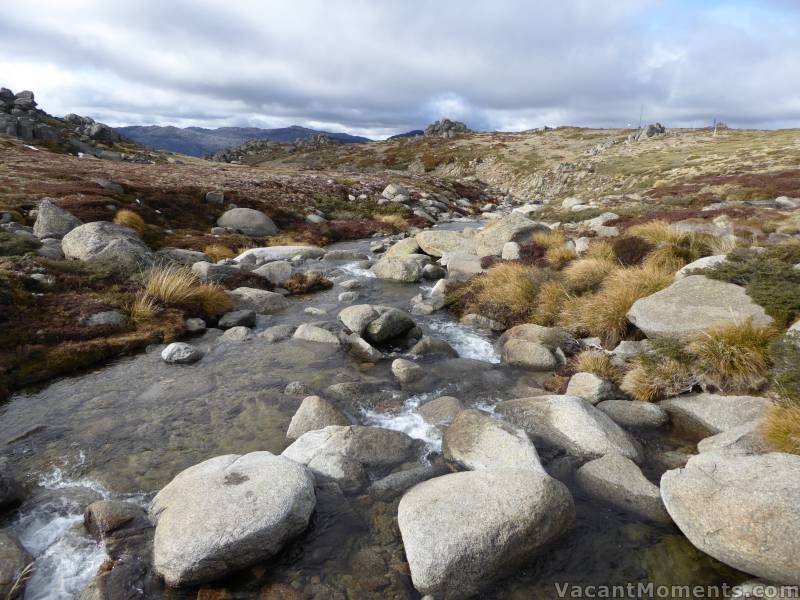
x: 380, y: 67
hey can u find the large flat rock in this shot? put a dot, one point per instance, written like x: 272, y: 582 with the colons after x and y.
x: 742, y: 510
x: 227, y: 513
x: 571, y: 424
x: 702, y: 415
x: 692, y: 304
x: 513, y: 227
x: 438, y: 242
x: 476, y: 441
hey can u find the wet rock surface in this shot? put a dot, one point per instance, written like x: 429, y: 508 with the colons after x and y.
x: 226, y: 513
x: 462, y: 531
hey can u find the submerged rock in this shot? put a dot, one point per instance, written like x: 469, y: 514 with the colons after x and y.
x: 227, y: 513
x: 277, y: 333
x: 237, y: 318
x: 463, y: 531
x: 13, y: 561
x: 742, y: 510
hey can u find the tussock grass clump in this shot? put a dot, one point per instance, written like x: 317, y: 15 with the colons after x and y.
x: 550, y: 302
x: 140, y: 308
x: 128, y: 218
x: 554, y: 238
x: 598, y: 363
x: 218, y: 252
x: 559, y: 256
x: 780, y: 429
x: 733, y: 358
x: 511, y: 285
x: 397, y: 222
x: 604, y: 314
x: 656, y: 232
x: 667, y: 258
x: 675, y: 249
x: 586, y: 274
x: 601, y: 249
x: 178, y: 286
x: 663, y: 371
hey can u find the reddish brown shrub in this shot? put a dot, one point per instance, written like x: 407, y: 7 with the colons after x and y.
x: 631, y: 250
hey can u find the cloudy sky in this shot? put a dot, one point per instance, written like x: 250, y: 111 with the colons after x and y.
x: 377, y: 67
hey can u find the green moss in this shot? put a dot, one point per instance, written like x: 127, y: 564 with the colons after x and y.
x: 769, y: 278
x: 16, y: 245
x: 785, y: 375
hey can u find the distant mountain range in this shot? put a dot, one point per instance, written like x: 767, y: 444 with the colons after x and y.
x: 408, y: 134
x: 197, y: 141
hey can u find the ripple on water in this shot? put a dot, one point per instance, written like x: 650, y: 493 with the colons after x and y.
x: 468, y: 342
x: 409, y: 421
x: 354, y: 270
x: 51, y: 529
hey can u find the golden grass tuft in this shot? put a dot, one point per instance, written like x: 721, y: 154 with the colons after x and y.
x: 733, y: 358
x: 559, y: 256
x: 177, y: 285
x: 649, y: 381
x: 141, y: 308
x: 598, y: 363
x: 666, y: 258
x: 550, y: 302
x: 398, y: 222
x: 128, y: 218
x: 218, y: 252
x: 554, y: 238
x: 602, y: 249
x: 510, y: 284
x: 587, y: 274
x: 604, y: 314
x: 780, y: 429
x: 655, y: 232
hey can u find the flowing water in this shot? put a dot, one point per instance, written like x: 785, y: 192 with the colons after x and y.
x: 123, y: 430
